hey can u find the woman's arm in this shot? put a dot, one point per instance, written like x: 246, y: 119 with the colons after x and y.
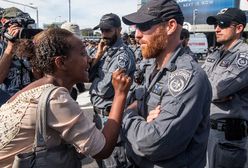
x: 121, y: 83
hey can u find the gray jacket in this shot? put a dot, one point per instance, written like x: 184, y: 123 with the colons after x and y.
x: 227, y: 72
x: 178, y: 136
x: 117, y: 56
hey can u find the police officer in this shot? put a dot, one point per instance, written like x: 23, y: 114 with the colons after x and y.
x: 227, y: 69
x: 184, y: 37
x: 176, y: 84
x: 135, y: 47
x: 125, y: 38
x: 139, y: 72
x: 112, y: 54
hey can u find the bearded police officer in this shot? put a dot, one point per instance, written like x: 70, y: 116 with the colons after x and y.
x: 227, y: 70
x: 112, y: 54
x: 176, y: 86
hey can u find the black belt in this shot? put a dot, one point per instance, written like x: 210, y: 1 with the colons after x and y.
x: 234, y: 129
x: 103, y: 111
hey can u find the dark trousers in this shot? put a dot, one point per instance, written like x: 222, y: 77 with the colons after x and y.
x: 118, y: 157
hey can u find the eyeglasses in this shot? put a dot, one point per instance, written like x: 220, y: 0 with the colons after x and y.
x: 224, y: 25
x: 146, y: 26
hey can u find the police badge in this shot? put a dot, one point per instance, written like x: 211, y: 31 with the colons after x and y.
x: 178, y: 80
x: 123, y: 62
x: 242, y: 60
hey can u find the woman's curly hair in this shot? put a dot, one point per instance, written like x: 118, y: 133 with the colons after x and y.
x: 44, y: 47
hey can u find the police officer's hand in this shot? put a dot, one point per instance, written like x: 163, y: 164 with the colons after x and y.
x: 102, y: 47
x: 153, y: 114
x: 120, y: 81
x: 99, y: 53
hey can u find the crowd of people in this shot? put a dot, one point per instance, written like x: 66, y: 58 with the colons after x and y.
x: 154, y: 105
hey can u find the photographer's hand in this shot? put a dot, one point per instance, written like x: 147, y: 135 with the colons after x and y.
x: 12, y: 32
x: 8, y: 54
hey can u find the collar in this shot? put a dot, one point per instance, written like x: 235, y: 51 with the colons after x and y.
x: 234, y: 48
x: 171, y: 64
x: 117, y: 44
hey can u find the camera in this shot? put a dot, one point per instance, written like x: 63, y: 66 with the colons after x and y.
x: 25, y: 32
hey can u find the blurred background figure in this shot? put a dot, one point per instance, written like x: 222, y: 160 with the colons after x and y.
x: 184, y: 37
x: 134, y: 45
x: 74, y: 28
x: 16, y: 72
x: 125, y: 38
x: 91, y: 48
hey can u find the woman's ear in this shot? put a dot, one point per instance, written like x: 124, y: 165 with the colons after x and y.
x: 59, y: 62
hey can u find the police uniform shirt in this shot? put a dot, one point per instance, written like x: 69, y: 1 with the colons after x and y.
x: 227, y: 72
x: 188, y: 51
x: 117, y: 56
x: 137, y: 52
x: 178, y: 136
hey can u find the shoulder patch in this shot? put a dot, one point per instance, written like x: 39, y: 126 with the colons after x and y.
x: 178, y: 80
x: 123, y: 61
x: 242, y: 60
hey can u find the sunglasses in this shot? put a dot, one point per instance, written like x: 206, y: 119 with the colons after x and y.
x: 105, y: 30
x: 224, y: 25
x: 147, y: 26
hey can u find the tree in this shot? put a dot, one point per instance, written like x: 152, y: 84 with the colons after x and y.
x: 97, y: 34
x: 87, y: 32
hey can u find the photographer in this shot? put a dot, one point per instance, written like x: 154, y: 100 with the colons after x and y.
x: 15, y: 70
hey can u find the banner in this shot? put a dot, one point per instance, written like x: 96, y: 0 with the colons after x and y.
x: 204, y: 8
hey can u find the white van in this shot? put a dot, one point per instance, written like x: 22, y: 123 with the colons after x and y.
x: 198, y: 44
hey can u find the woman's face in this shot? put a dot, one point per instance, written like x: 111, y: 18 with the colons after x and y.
x: 78, y: 61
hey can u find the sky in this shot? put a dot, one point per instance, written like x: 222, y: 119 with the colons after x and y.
x: 86, y: 13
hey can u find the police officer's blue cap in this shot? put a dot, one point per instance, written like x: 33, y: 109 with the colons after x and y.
x: 155, y: 10
x: 109, y: 21
x: 228, y: 15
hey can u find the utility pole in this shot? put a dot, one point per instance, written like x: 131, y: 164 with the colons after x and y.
x: 194, y: 17
x: 69, y: 10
